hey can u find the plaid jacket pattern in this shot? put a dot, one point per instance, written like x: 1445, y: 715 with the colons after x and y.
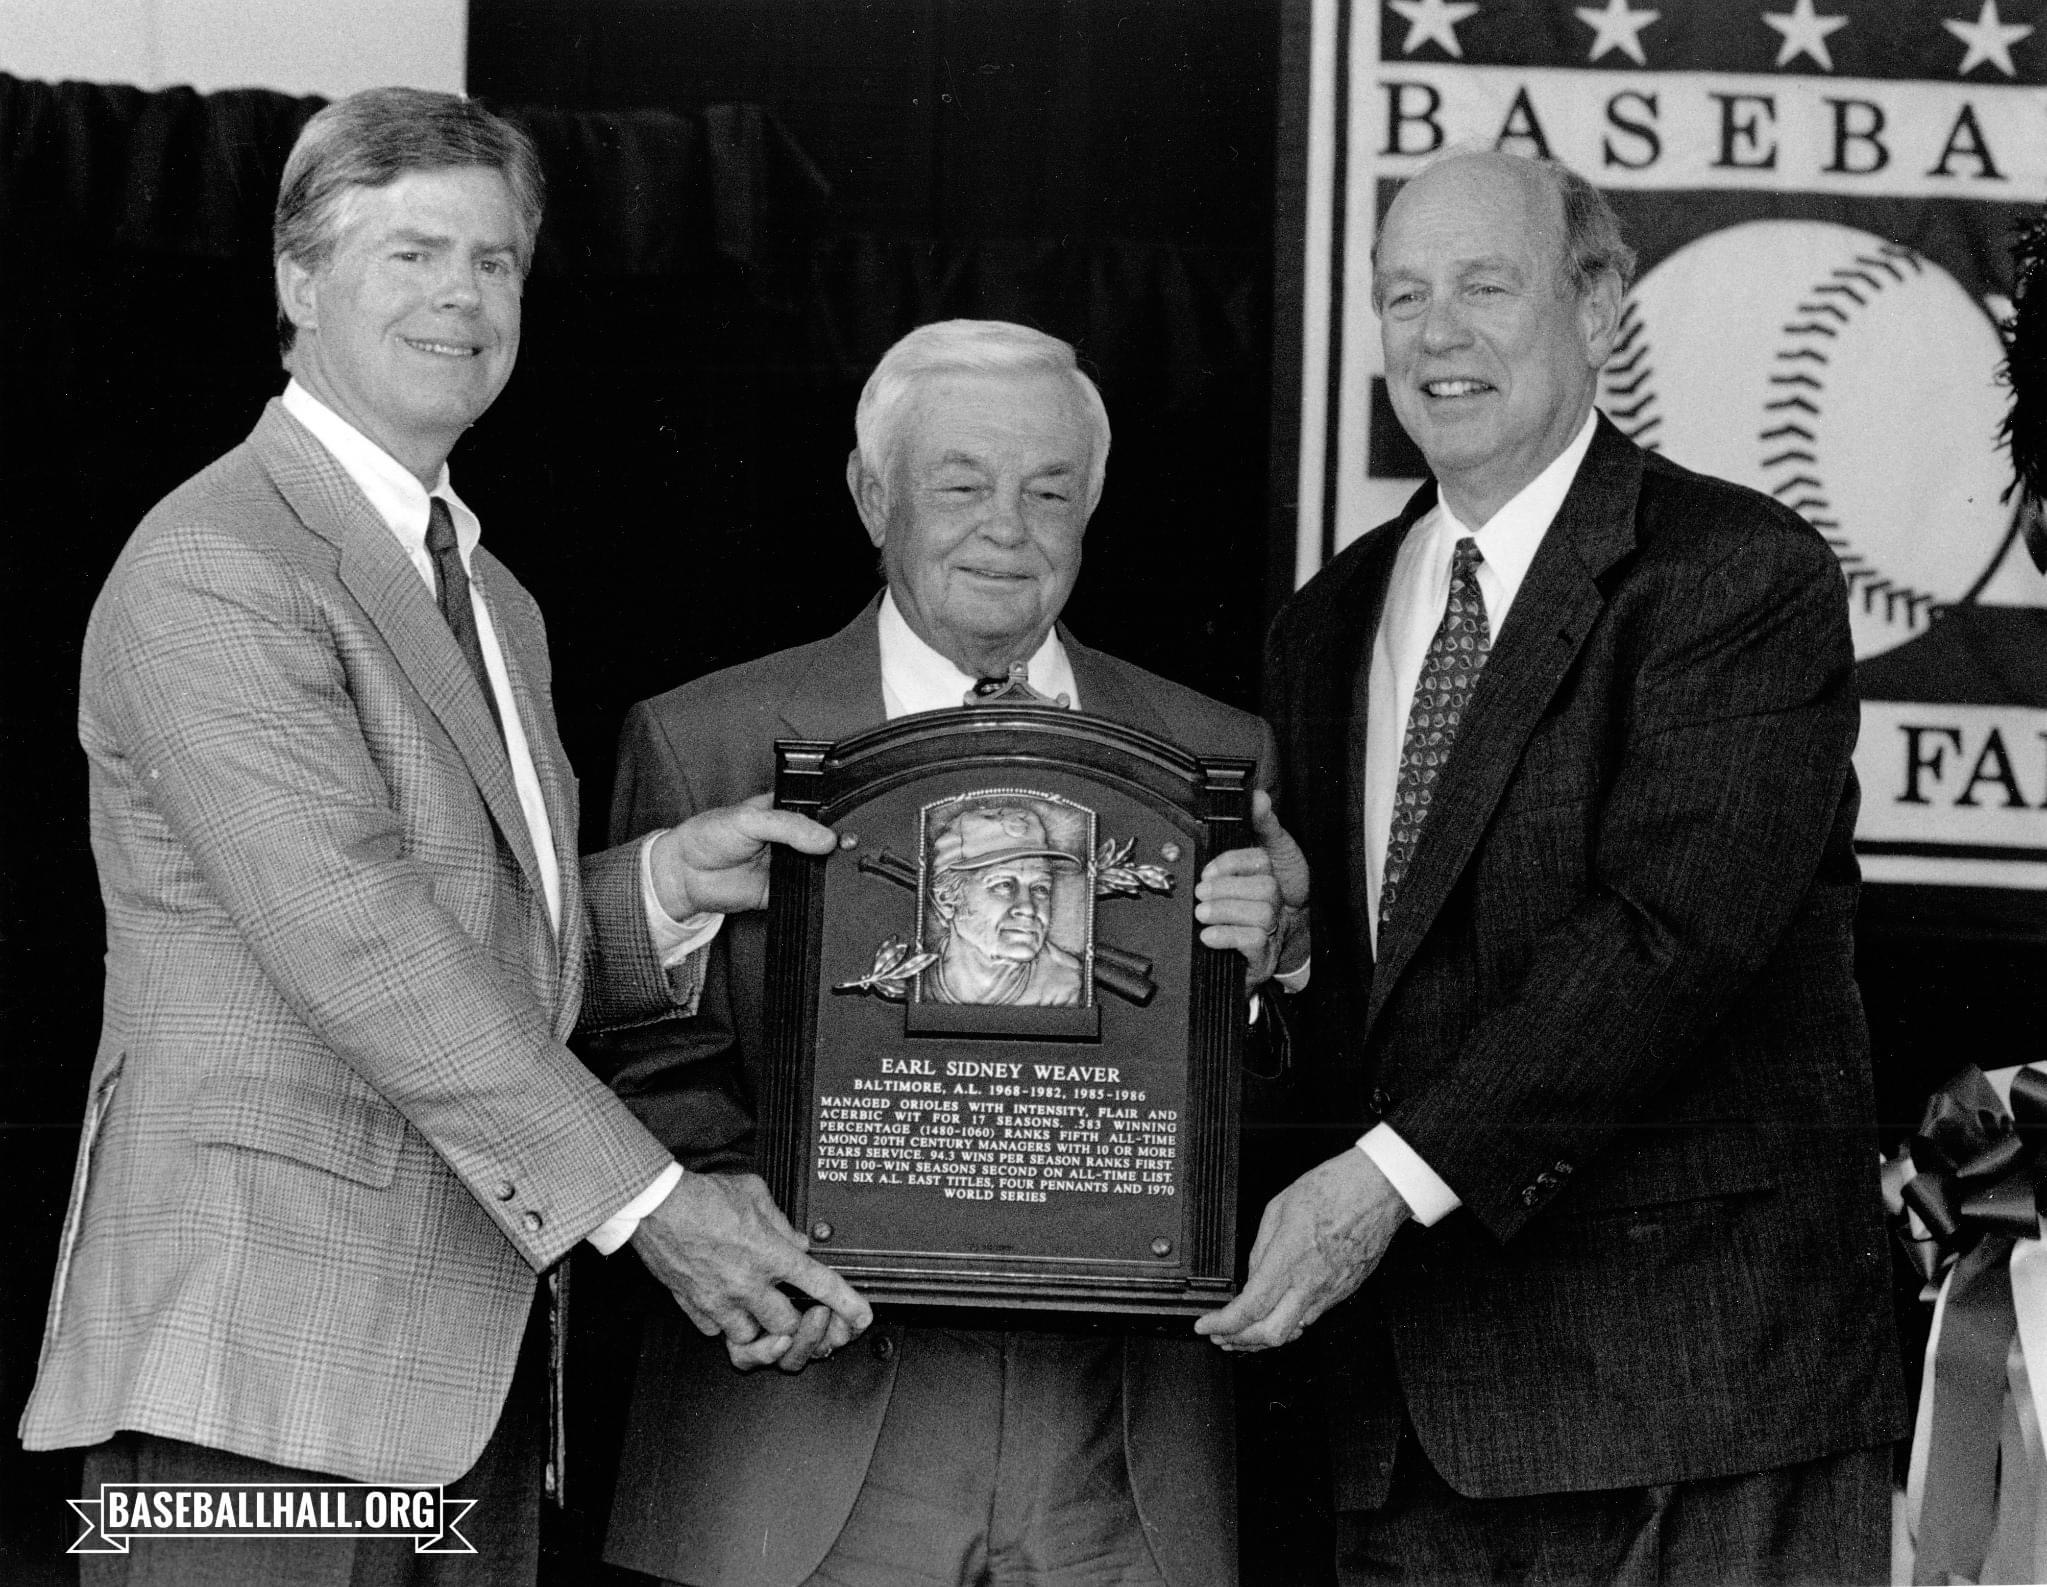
x: 332, y: 1131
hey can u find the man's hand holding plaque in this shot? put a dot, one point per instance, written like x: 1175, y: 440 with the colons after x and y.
x: 1256, y: 900
x: 721, y: 1245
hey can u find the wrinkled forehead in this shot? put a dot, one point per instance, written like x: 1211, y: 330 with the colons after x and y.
x: 1032, y: 417
x: 1027, y: 871
x: 436, y: 199
x: 1472, y: 210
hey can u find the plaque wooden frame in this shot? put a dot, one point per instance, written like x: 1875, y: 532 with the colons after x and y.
x: 1085, y: 1238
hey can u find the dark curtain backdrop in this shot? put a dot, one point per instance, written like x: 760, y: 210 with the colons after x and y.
x: 750, y: 201
x: 665, y: 470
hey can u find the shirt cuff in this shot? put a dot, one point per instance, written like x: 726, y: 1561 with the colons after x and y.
x: 1420, y: 1186
x: 621, y: 1226
x: 674, y: 940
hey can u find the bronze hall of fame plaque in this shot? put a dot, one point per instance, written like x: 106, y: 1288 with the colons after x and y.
x: 1004, y: 1068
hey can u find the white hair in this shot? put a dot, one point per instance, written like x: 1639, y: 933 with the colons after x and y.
x: 982, y: 347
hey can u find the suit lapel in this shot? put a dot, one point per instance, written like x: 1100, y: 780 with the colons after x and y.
x: 839, y: 694
x: 524, y: 650
x: 1106, y: 691
x: 375, y: 570
x: 1555, y: 609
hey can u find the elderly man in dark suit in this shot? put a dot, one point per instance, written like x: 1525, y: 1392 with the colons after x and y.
x: 1569, y: 743
x: 927, y: 1455
x: 334, y: 1131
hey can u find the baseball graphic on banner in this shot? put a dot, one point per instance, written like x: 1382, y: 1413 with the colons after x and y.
x: 1849, y: 377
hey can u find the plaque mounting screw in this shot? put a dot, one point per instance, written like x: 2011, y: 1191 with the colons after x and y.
x: 820, y: 1230
x: 1169, y: 852
x: 1162, y: 1246
x: 848, y: 840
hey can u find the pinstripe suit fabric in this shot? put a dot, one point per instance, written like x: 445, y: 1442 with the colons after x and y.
x: 1615, y: 1009
x: 333, y: 1130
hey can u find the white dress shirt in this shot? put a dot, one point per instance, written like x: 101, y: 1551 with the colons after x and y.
x: 914, y: 677
x: 1416, y: 596
x: 405, y: 506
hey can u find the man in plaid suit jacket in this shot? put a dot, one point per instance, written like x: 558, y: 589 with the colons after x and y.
x: 333, y: 1129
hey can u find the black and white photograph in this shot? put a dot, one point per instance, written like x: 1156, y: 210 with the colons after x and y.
x: 1579, y: 494
x: 1008, y: 901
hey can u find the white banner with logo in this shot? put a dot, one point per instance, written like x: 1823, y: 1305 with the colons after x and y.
x: 1823, y: 194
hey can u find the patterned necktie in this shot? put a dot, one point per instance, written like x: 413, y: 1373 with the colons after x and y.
x: 451, y: 587
x: 1456, y: 656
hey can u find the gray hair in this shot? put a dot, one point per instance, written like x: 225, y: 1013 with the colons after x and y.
x: 987, y: 347
x: 371, y: 139
x: 1591, y: 245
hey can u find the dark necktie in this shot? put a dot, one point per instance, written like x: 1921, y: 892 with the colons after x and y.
x: 451, y: 587
x: 1456, y: 656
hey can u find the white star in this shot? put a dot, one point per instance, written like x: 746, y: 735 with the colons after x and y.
x: 1433, y: 22
x: 1618, y: 29
x: 1989, y: 39
x: 1804, y: 33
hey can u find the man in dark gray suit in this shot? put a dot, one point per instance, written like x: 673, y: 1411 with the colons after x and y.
x: 1569, y: 749
x: 927, y: 1455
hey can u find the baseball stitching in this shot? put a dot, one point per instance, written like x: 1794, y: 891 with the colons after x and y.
x: 1791, y: 415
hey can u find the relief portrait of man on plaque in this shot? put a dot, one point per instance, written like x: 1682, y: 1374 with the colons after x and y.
x: 1007, y: 904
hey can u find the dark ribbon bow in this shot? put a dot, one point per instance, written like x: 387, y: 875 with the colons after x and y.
x: 1980, y: 1168
x: 1980, y: 1176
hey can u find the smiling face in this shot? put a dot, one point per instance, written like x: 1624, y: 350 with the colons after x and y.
x: 410, y: 329
x: 1005, y: 910
x: 980, y: 517
x: 1491, y: 358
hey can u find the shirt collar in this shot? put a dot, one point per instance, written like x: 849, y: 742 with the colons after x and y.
x: 914, y: 677
x: 399, y: 499
x: 1512, y: 535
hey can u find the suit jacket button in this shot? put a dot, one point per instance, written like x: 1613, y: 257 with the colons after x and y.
x: 1563, y: 1170
x: 506, y: 1190
x: 1530, y: 1195
x: 533, y: 1221
x: 1381, y: 1103
x: 884, y: 1348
